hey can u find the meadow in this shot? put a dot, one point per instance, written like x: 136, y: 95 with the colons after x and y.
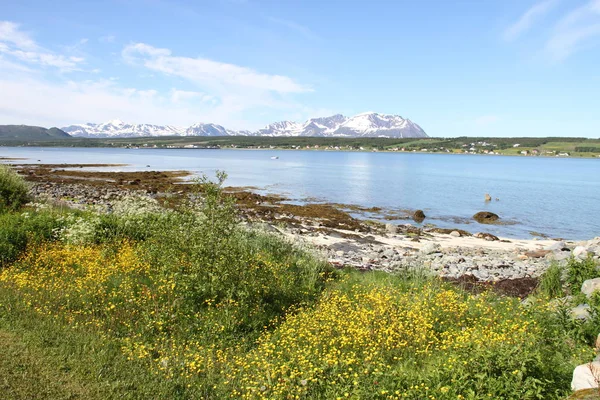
x: 145, y: 302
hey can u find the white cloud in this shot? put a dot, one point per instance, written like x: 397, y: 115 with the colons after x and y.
x: 234, y: 96
x: 181, y: 96
x: 203, y: 71
x: 530, y: 17
x: 575, y: 30
x: 19, y: 45
x: 10, y: 33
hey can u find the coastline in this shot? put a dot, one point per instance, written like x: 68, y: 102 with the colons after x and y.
x: 335, y: 235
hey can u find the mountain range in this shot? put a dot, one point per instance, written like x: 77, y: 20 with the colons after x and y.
x: 368, y: 124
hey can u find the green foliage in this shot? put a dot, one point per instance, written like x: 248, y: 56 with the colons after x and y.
x: 14, y: 191
x: 550, y: 284
x: 579, y: 271
x: 18, y: 231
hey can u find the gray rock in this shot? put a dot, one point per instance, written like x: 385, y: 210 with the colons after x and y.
x: 391, y: 229
x: 590, y: 286
x: 556, y: 246
x: 580, y: 252
x: 582, y: 311
x: 430, y: 248
x: 455, y: 234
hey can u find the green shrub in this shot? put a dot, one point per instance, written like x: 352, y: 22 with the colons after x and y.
x: 14, y: 191
x: 580, y: 271
x: 18, y: 230
x: 551, y: 282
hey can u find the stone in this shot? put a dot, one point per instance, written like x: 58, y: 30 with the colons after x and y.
x: 418, y: 216
x: 557, y: 246
x: 590, y: 286
x: 582, y: 311
x: 580, y: 252
x: 455, y: 234
x: 486, y: 236
x: 488, y: 197
x: 586, y: 376
x: 486, y: 217
x: 430, y: 248
x: 391, y: 229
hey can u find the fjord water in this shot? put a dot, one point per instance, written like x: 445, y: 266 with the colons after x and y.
x: 558, y: 197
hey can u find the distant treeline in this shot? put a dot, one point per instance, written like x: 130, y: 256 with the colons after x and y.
x: 587, y: 149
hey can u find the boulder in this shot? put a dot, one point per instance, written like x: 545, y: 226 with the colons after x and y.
x: 486, y: 236
x: 580, y: 252
x: 582, y: 311
x: 418, y: 216
x: 455, y: 234
x: 488, y: 197
x: 486, y: 217
x: 391, y: 229
x: 590, y: 286
x: 586, y: 376
x: 430, y: 248
x: 557, y: 246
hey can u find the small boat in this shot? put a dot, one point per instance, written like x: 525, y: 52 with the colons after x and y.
x: 275, y: 158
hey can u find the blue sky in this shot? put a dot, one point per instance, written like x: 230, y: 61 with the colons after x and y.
x: 469, y: 67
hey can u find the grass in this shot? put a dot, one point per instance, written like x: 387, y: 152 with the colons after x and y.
x: 186, y: 303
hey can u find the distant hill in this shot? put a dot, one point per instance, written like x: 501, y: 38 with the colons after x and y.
x: 26, y: 132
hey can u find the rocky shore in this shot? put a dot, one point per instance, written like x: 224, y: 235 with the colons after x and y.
x: 454, y: 255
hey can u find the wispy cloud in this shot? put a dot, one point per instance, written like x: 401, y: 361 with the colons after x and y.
x: 294, y: 26
x: 528, y: 19
x: 20, y: 46
x: 208, y: 72
x: 576, y: 30
x: 11, y: 33
x: 207, y: 90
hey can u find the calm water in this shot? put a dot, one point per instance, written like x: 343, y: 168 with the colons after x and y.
x: 557, y: 197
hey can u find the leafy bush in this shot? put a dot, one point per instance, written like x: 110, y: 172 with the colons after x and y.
x: 551, y: 282
x: 14, y: 191
x: 580, y: 271
x: 18, y: 231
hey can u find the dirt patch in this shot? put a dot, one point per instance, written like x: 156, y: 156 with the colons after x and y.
x: 520, y: 288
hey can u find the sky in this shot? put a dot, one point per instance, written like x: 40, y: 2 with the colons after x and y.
x: 456, y: 68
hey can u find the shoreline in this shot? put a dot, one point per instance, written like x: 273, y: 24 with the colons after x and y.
x: 339, y: 238
x: 40, y: 145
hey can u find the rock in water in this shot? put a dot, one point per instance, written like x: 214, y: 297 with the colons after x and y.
x: 586, y: 376
x: 488, y: 197
x: 418, y: 216
x: 486, y: 217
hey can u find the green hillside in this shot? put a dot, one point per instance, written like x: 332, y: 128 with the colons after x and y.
x: 26, y: 132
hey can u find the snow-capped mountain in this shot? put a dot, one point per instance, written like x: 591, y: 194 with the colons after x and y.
x: 362, y: 125
x: 117, y: 128
x: 207, y: 130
